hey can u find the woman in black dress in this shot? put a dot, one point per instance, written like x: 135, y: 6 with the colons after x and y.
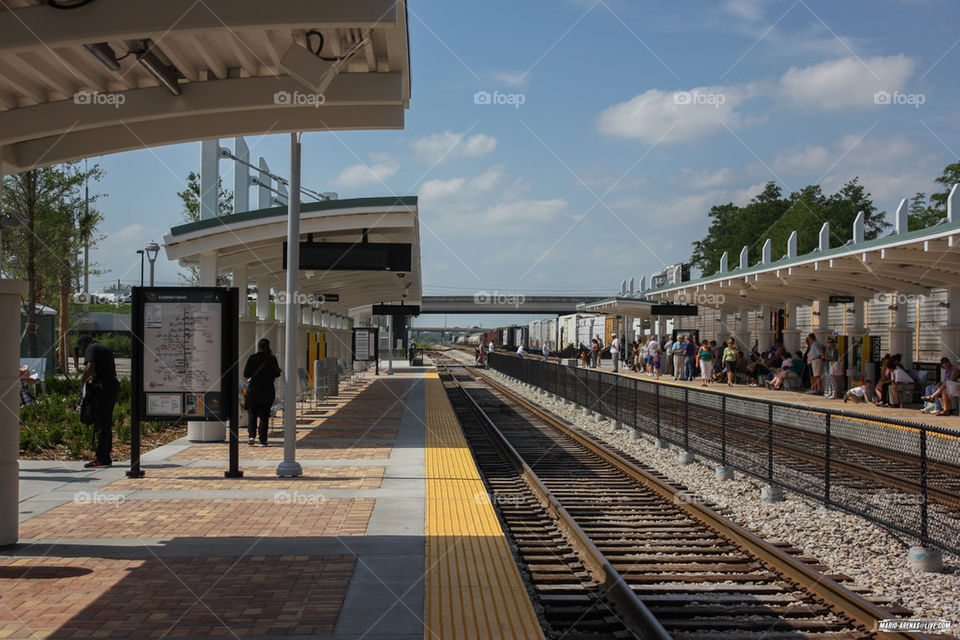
x: 259, y: 373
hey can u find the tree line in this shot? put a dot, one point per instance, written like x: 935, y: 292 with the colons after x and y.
x: 771, y: 214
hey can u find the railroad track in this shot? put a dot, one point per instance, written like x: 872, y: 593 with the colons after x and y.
x: 612, y: 552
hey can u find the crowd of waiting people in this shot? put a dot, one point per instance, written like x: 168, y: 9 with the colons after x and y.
x: 819, y: 369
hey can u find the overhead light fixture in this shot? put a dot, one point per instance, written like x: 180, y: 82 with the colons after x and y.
x: 105, y: 54
x: 164, y: 74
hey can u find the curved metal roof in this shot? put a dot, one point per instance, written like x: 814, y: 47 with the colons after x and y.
x: 253, y: 240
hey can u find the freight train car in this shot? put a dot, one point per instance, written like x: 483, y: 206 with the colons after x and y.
x: 591, y: 327
x: 540, y: 331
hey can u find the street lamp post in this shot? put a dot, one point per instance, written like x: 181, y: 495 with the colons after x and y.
x: 152, y: 249
x: 140, y: 251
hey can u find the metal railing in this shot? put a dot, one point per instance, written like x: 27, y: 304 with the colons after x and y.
x: 900, y: 474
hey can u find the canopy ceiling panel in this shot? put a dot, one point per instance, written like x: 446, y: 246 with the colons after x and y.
x: 115, y: 75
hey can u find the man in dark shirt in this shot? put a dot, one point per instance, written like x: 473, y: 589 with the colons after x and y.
x: 100, y: 373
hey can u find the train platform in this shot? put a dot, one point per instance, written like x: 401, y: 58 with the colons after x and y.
x: 387, y: 535
x: 816, y: 401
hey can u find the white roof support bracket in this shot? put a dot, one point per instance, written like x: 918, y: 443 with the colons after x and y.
x: 901, y: 218
x: 858, y: 228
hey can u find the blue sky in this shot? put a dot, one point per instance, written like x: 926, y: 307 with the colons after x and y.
x: 635, y: 118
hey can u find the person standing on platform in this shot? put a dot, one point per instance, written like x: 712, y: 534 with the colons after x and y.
x: 520, y: 352
x: 653, y: 345
x: 730, y: 355
x: 815, y: 360
x: 100, y: 374
x: 594, y: 352
x: 679, y: 351
x: 834, y: 371
x: 690, y: 362
x: 705, y: 361
x: 615, y: 352
x: 259, y: 373
x: 490, y: 348
x: 545, y: 350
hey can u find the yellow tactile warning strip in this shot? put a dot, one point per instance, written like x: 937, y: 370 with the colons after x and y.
x: 473, y: 587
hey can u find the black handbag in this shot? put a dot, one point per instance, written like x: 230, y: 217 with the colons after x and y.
x: 87, y: 402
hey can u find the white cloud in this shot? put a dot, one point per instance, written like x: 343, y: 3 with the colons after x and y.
x: 441, y: 147
x: 462, y: 188
x: 529, y: 212
x: 675, y: 116
x: 363, y: 175
x: 750, y: 10
x: 485, y: 203
x: 845, y: 82
x: 511, y: 78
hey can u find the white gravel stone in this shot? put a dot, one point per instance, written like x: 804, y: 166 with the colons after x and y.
x: 847, y: 544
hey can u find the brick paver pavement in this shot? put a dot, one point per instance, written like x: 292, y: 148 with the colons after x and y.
x: 306, y: 450
x: 211, y: 478
x: 335, y: 433
x: 172, y: 597
x: 288, y: 513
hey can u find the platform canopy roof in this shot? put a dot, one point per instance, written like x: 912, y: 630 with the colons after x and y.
x: 254, y: 240
x: 914, y: 262
x: 102, y: 76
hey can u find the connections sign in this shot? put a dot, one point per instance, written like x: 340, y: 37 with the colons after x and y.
x: 184, y: 352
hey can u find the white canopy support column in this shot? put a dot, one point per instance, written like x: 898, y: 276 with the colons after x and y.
x: 901, y: 334
x: 10, y: 293
x: 241, y: 176
x: 290, y: 467
x: 791, y: 335
x: 821, y: 320
x: 246, y: 330
x: 765, y: 335
x: 950, y: 332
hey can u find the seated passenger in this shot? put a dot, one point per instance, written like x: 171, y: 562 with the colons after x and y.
x: 902, y: 382
x: 791, y: 368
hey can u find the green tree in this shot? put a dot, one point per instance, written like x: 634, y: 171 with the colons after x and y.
x: 771, y: 215
x: 191, y: 213
x: 920, y: 214
x: 43, y: 252
x: 949, y: 177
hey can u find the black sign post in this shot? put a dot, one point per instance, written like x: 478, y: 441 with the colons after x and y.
x: 184, y: 361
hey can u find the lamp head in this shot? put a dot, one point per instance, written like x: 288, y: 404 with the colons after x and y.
x: 152, y: 250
